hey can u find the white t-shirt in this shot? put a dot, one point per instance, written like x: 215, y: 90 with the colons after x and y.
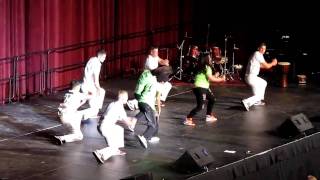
x: 72, y: 101
x: 151, y: 62
x: 115, y: 112
x: 92, y: 68
x: 253, y: 67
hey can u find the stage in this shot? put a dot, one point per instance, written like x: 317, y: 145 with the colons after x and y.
x: 28, y: 152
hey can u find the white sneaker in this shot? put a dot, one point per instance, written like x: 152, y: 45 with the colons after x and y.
x: 259, y: 103
x: 143, y: 141
x: 210, y: 118
x: 98, y: 156
x: 245, y: 105
x: 154, y: 139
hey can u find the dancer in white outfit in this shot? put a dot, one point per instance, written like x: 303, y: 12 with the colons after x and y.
x: 257, y: 84
x: 111, y: 128
x: 91, y: 83
x: 71, y: 116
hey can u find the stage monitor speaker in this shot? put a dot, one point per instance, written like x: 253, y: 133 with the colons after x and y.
x: 141, y: 176
x: 193, y: 160
x: 295, y: 125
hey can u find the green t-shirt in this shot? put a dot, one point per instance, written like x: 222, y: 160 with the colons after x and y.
x: 146, y: 88
x: 201, y: 79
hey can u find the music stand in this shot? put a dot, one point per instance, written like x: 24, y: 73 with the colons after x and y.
x: 179, y: 69
x: 181, y: 56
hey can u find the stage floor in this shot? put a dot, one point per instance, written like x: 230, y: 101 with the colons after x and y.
x: 28, y: 152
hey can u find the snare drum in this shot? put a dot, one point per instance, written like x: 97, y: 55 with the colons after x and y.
x: 223, y: 60
x: 238, y: 66
x: 284, y: 73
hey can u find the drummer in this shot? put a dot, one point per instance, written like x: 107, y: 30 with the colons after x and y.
x: 218, y: 60
x: 216, y: 54
x: 257, y: 84
x: 191, y: 61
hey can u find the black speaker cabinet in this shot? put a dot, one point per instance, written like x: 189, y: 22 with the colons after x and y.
x: 142, y: 176
x: 295, y: 125
x: 193, y: 160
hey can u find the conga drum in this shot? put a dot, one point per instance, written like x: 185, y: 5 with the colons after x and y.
x: 302, y: 79
x: 284, y: 66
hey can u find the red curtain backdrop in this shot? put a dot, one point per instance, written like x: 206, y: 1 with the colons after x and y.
x: 12, y: 43
x: 44, y: 44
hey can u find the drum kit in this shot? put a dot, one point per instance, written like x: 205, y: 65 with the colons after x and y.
x: 220, y: 62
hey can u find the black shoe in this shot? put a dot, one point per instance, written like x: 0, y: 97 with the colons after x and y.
x: 98, y: 157
x: 143, y: 141
x: 58, y: 140
x: 245, y: 105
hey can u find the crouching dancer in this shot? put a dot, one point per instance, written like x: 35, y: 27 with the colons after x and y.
x: 111, y: 128
x: 70, y: 115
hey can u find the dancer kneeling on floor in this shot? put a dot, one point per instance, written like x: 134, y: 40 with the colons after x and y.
x: 70, y: 115
x: 202, y: 89
x: 111, y: 128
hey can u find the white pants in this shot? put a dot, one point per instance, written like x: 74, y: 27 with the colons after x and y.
x: 90, y: 112
x: 165, y: 89
x: 96, y: 101
x: 258, y: 86
x: 73, y: 120
x: 114, y: 135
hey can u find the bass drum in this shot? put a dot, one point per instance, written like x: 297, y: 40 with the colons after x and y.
x: 189, y: 67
